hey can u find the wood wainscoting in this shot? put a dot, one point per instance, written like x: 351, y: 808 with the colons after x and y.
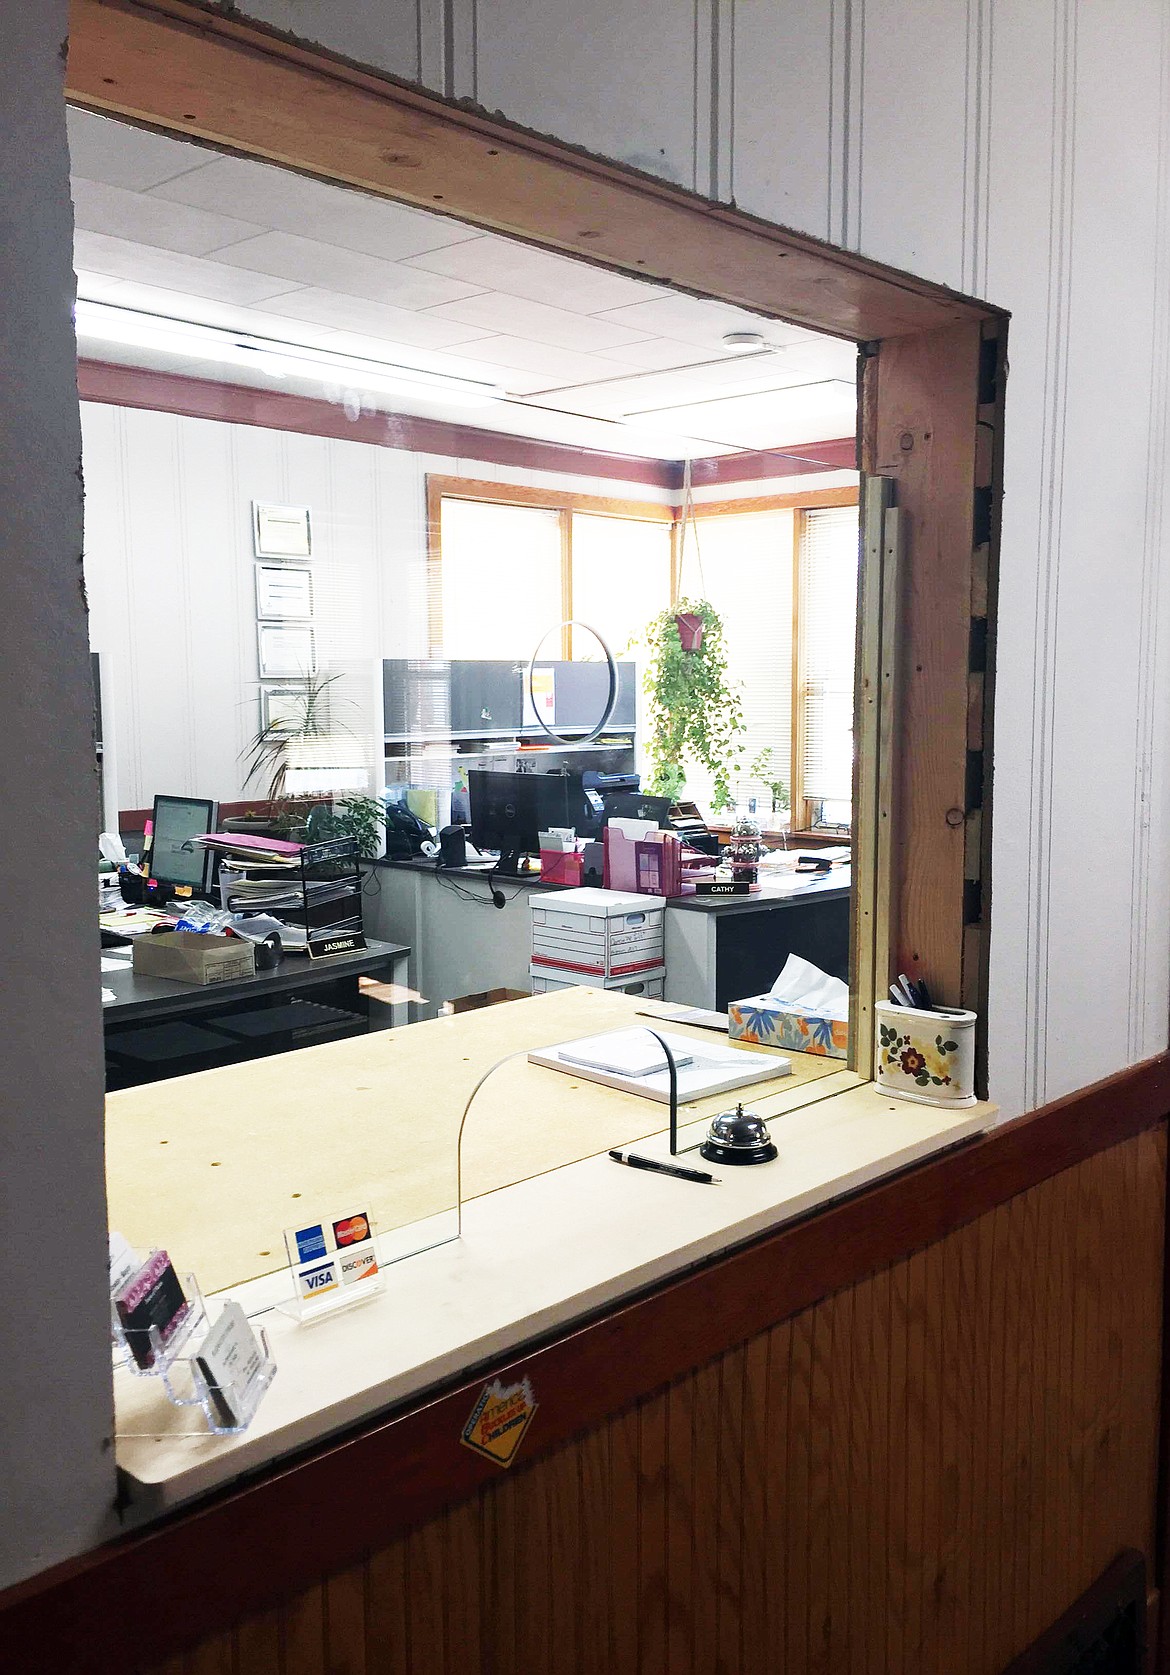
x: 917, y: 1474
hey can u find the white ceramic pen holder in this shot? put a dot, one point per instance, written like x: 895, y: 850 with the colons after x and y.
x: 926, y: 1056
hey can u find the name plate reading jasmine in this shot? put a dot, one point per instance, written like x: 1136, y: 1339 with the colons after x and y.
x: 349, y: 943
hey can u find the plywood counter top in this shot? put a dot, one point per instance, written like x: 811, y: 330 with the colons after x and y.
x: 214, y: 1166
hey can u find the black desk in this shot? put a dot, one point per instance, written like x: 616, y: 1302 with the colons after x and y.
x: 724, y: 948
x: 155, y: 1027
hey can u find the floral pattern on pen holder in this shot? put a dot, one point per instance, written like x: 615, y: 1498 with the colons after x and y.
x: 926, y: 1056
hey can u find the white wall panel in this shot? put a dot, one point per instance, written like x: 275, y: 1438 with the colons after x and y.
x: 382, y: 33
x: 910, y: 59
x: 620, y: 80
x: 782, y: 167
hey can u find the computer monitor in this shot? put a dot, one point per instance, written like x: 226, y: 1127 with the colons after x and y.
x: 510, y: 810
x: 636, y: 805
x: 175, y: 858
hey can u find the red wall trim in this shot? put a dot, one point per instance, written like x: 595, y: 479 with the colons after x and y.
x: 239, y: 404
x: 805, y: 460
x: 255, y: 1546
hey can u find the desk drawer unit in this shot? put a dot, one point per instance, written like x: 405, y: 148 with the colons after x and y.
x: 597, y: 933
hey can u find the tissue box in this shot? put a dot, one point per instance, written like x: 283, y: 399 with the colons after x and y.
x: 767, y: 1022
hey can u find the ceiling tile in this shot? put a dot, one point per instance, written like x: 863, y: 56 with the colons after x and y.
x: 191, y: 274
x: 373, y: 319
x: 309, y: 262
x: 518, y: 318
x: 660, y: 353
x: 539, y: 275
x: 804, y: 413
x: 291, y: 203
x: 99, y: 208
x: 114, y: 152
x: 550, y: 365
x: 697, y: 320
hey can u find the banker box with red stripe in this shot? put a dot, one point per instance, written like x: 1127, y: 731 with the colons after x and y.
x: 598, y: 937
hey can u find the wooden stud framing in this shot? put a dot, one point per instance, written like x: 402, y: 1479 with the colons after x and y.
x: 868, y: 961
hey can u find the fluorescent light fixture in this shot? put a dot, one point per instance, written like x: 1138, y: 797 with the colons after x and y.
x: 106, y: 322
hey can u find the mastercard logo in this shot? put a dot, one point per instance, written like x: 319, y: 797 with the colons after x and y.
x: 351, y: 1231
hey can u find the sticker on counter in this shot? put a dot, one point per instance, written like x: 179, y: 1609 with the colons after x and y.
x: 499, y: 1420
x: 351, y: 1230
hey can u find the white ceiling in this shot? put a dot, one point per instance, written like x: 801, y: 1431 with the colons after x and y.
x: 584, y: 355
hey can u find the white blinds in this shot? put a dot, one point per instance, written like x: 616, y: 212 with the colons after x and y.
x: 828, y: 616
x: 747, y: 576
x: 621, y: 578
x: 501, y: 579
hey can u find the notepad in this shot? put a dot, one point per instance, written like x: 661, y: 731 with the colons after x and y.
x: 622, y: 1052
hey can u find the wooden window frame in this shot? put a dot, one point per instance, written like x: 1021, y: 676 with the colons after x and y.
x: 931, y: 383
x: 800, y: 818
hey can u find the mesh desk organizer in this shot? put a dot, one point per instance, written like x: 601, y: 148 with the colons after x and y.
x: 318, y: 897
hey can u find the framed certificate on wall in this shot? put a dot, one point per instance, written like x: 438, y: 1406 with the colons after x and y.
x: 284, y: 592
x: 281, y: 531
x: 285, y: 653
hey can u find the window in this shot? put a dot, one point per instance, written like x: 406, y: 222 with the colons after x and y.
x: 826, y: 586
x: 743, y: 565
x: 510, y: 562
x: 501, y: 579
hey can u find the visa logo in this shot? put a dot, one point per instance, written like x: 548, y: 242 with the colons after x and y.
x: 314, y: 1281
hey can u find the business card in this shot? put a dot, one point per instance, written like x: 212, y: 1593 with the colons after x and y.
x: 230, y: 1359
x: 124, y: 1263
x: 152, y: 1297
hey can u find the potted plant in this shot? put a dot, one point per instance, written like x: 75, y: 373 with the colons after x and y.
x: 357, y: 816
x: 282, y: 744
x: 695, y: 708
x: 766, y: 769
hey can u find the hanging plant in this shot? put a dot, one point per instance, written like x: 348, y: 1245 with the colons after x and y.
x: 695, y: 709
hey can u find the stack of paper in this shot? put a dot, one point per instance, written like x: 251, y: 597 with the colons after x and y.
x: 622, y: 1052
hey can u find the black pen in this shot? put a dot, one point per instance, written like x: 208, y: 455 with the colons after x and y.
x: 679, y: 1172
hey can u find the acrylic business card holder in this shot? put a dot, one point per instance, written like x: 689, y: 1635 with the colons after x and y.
x: 162, y: 1353
x: 238, y: 1398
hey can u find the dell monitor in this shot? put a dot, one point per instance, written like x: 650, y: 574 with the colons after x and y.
x: 510, y: 810
x: 175, y: 858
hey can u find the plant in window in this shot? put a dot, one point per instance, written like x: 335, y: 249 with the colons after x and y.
x: 766, y: 769
x: 695, y: 708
